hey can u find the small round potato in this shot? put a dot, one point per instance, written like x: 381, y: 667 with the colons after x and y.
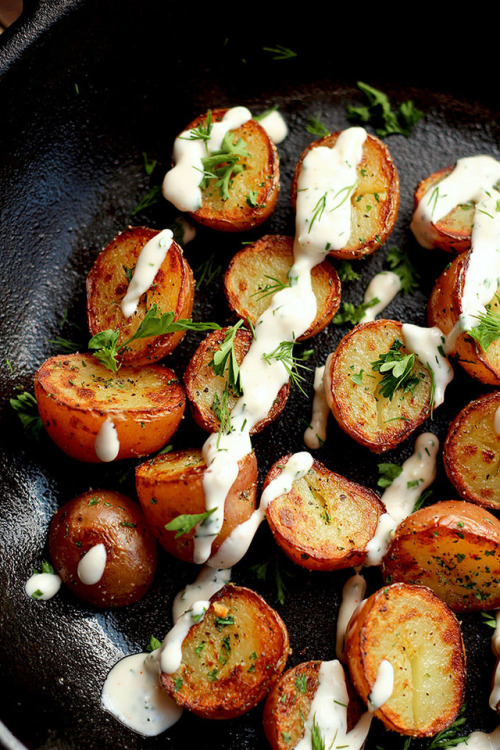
x: 116, y: 522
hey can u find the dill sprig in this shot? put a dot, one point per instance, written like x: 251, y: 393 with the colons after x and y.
x: 396, y: 368
x: 224, y: 164
x: 449, y: 737
x: 284, y: 353
x: 226, y: 356
x: 269, y: 289
x: 203, y: 132
x: 221, y: 410
x: 315, y: 127
x: 488, y: 329
x: 380, y: 114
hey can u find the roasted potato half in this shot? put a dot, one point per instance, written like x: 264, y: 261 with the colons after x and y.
x: 325, y: 521
x: 76, y: 396
x: 471, y: 452
x: 353, y: 387
x: 374, y: 201
x: 259, y: 270
x: 444, y: 310
x: 412, y: 629
x: 171, y: 485
x: 453, y: 547
x: 206, y: 391
x: 252, y: 192
x: 232, y: 658
x: 116, y: 523
x: 289, y: 703
x: 107, y: 284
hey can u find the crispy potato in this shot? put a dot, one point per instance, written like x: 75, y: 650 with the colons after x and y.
x: 253, y: 192
x: 471, y: 452
x: 374, y: 202
x: 352, y: 388
x: 76, y: 395
x: 256, y: 272
x: 171, y: 485
x: 205, y: 389
x: 288, y: 705
x: 419, y: 635
x: 325, y: 521
x: 117, y: 522
x: 107, y: 284
x: 453, y: 547
x: 230, y: 661
x: 444, y: 310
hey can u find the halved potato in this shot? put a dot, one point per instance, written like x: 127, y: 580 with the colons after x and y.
x: 107, y: 285
x: 205, y: 389
x: 412, y: 629
x: 374, y: 202
x: 352, y: 388
x: 116, y: 522
x: 453, y: 547
x: 232, y: 658
x: 325, y: 521
x: 259, y: 270
x: 471, y: 452
x: 444, y: 310
x: 76, y: 395
x: 171, y: 485
x: 253, y: 191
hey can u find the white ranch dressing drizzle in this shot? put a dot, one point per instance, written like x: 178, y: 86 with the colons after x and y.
x: 275, y: 126
x: 315, y: 433
x: 181, y: 184
x: 427, y: 344
x: 419, y: 471
x: 384, y: 286
x: 382, y: 687
x: 148, y: 264
x: 42, y: 586
x: 107, y: 445
x: 91, y: 567
x: 352, y: 596
x: 481, y: 741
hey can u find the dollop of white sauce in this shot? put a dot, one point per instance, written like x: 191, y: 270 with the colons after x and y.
x: 148, y: 264
x: 352, y: 595
x: 207, y: 583
x: 107, y: 445
x: 382, y: 687
x: 315, y: 433
x: 275, y: 125
x: 181, y: 184
x: 428, y: 345
x: 42, y: 586
x: 91, y: 567
x: 481, y: 741
x: 384, y: 286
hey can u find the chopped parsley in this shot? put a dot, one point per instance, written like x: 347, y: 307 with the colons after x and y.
x: 397, y: 371
x: 184, y: 523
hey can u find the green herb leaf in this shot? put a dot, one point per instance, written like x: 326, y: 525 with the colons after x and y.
x: 449, y: 737
x: 270, y: 289
x: 397, y: 369
x: 350, y: 313
x: 280, y: 53
x: 316, y: 128
x: 380, y: 114
x: 224, y: 164
x: 488, y: 329
x: 399, y: 262
x: 226, y: 356
x: 149, y: 199
x: 27, y: 410
x: 184, y: 523
x: 388, y: 473
x: 317, y: 739
x: 284, y: 354
x: 153, y: 644
x: 346, y: 272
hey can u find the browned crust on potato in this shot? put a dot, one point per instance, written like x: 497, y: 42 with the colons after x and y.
x: 444, y: 310
x: 256, y: 267
x: 107, y: 284
x: 237, y: 663
x: 325, y: 521
x: 203, y: 385
x: 375, y: 201
x: 471, y: 452
x: 117, y: 522
x: 260, y: 175
x: 360, y: 410
x: 76, y: 394
x: 453, y: 547
x: 414, y: 630
x: 171, y: 485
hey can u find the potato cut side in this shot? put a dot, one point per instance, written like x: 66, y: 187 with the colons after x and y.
x: 259, y: 270
x: 206, y: 391
x: 171, y: 485
x: 453, y: 547
x: 253, y: 192
x: 107, y: 285
x: 419, y: 635
x: 444, y: 310
x: 325, y: 521
x: 471, y: 452
x: 232, y: 658
x: 353, y: 394
x: 374, y: 201
x: 76, y: 395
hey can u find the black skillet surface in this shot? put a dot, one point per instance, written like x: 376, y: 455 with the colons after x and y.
x: 85, y: 89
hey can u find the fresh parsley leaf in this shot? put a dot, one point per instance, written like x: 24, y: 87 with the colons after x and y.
x: 27, y: 410
x: 397, y: 371
x: 351, y: 313
x: 399, y: 262
x: 153, y: 644
x: 380, y: 114
x: 226, y: 356
x: 488, y: 329
x: 346, y: 272
x: 388, y: 473
x: 489, y: 619
x: 183, y: 524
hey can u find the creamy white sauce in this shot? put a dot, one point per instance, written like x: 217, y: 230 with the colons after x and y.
x: 207, y: 583
x: 42, y: 586
x: 107, y: 445
x: 382, y: 687
x: 481, y: 741
x: 352, y: 596
x: 148, y: 264
x: 275, y: 126
x: 315, y: 433
x: 181, y: 184
x: 419, y: 471
x: 91, y: 567
x: 384, y: 286
x: 428, y: 345
x: 496, y: 421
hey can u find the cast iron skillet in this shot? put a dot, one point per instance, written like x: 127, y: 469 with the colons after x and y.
x: 85, y: 89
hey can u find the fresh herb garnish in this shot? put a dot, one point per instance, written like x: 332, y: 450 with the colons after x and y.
x: 224, y: 164
x: 270, y: 568
x: 153, y: 644
x: 397, y: 371
x: 226, y: 355
x: 185, y: 523
x: 317, y: 739
x: 280, y: 53
x: 65, y: 346
x: 284, y: 353
x: 208, y: 271
x: 489, y: 619
x: 399, y: 262
x: 388, y: 473
x: 268, y: 289
x: 380, y: 114
x: 222, y: 412
x: 149, y: 199
x: 351, y: 313
x: 316, y: 128
x: 421, y: 499
x: 449, y: 737
x: 301, y: 683
x: 27, y: 410
x: 149, y: 164
x: 488, y: 329
x: 223, y: 622
x: 202, y: 132
x: 346, y: 272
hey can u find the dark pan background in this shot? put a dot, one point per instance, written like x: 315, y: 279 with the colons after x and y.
x: 85, y: 89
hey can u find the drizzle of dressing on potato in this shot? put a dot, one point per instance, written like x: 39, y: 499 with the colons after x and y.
x: 428, y: 346
x: 352, y: 596
x: 382, y: 687
x: 107, y: 445
x: 42, y: 586
x: 91, y: 567
x: 384, y: 286
x: 315, y: 433
x: 275, y: 126
x: 148, y: 263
